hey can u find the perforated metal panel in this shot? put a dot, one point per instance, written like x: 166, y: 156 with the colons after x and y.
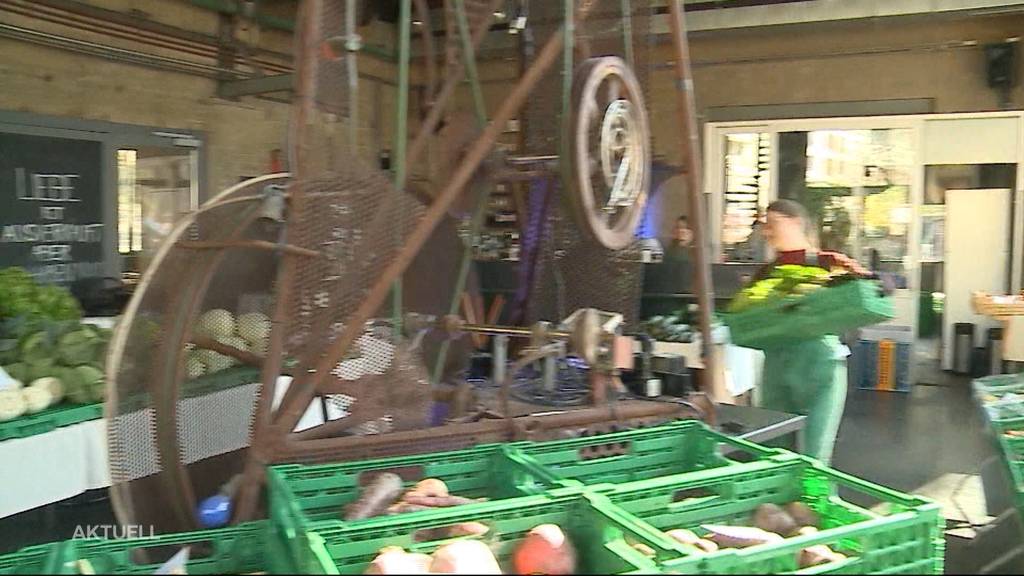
x: 572, y: 271
x: 159, y: 420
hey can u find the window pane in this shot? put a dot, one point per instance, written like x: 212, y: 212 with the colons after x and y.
x: 747, y: 189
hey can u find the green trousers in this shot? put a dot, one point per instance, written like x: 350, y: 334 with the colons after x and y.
x: 808, y: 378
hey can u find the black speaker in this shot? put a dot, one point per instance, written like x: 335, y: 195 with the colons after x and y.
x: 1000, y: 64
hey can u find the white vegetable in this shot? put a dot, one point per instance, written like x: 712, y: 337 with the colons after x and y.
x: 215, y: 361
x: 254, y: 327
x: 194, y: 365
x: 464, y: 557
x: 52, y: 385
x: 217, y: 323
x: 260, y: 347
x: 36, y: 399
x: 15, y: 384
x: 12, y: 405
x: 235, y: 341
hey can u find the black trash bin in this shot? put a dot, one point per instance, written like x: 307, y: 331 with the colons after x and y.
x: 995, y: 351
x: 963, y: 347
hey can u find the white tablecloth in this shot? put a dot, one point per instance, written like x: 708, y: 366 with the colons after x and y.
x: 68, y: 461
x: 46, y: 468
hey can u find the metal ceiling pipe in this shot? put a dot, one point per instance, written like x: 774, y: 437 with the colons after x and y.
x: 93, y: 25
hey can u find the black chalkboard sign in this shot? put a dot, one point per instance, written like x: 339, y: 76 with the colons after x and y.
x: 51, y: 207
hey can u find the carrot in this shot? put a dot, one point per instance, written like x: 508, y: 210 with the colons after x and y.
x: 376, y: 497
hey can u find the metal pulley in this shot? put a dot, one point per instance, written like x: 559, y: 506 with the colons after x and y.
x: 609, y: 156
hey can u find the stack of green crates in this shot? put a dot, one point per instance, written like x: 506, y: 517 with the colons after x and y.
x: 610, y: 493
x: 615, y: 495
x: 1002, y: 398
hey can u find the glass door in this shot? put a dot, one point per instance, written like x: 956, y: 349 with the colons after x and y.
x: 856, y: 186
x: 156, y: 187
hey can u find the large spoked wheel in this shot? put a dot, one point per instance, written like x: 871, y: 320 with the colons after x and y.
x: 610, y: 151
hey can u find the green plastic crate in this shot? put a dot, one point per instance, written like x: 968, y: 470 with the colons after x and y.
x: 235, y: 550
x: 601, y: 533
x: 906, y: 538
x: 49, y: 420
x: 832, y: 310
x: 684, y: 446
x: 301, y: 495
x: 997, y: 385
x: 43, y: 559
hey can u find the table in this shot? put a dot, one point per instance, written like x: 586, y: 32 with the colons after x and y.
x: 760, y: 425
x: 53, y: 466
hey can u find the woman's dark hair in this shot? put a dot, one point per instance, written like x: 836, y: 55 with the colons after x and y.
x: 789, y: 208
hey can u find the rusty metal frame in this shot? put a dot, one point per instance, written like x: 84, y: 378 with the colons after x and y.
x: 691, y: 171
x: 273, y: 439
x: 302, y: 389
x: 262, y: 438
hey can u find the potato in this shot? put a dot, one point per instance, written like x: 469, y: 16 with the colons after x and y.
x: 773, y: 518
x: 802, y: 514
x: 817, y: 555
x: 464, y: 557
x: 431, y: 487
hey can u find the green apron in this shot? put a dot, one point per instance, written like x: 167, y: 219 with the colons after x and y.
x: 808, y: 378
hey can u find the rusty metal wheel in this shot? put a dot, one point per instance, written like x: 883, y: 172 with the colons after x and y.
x: 609, y: 151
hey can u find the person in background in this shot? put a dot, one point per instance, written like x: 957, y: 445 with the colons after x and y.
x: 676, y: 260
x: 682, y: 235
x: 807, y: 377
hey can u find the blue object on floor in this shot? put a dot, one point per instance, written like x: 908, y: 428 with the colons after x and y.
x: 215, y: 511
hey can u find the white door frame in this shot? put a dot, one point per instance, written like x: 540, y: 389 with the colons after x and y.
x: 714, y: 137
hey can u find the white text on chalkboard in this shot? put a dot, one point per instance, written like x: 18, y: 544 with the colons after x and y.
x: 50, y: 233
x: 46, y: 187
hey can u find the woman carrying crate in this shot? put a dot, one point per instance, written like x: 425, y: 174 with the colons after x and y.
x: 805, y: 377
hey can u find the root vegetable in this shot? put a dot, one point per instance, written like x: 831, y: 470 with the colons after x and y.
x: 12, y: 405
x: 683, y: 536
x: 806, y: 530
x: 431, y: 487
x: 740, y: 536
x: 802, y: 514
x: 254, y: 327
x: 707, y: 546
x: 817, y: 555
x: 375, y: 499
x: 216, y: 323
x: 405, y: 507
x: 467, y: 529
x: 51, y: 385
x: 464, y: 557
x: 394, y: 560
x: 545, y: 550
x: 772, y: 518
x: 436, y: 501
x: 36, y: 399
x: 644, y: 549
